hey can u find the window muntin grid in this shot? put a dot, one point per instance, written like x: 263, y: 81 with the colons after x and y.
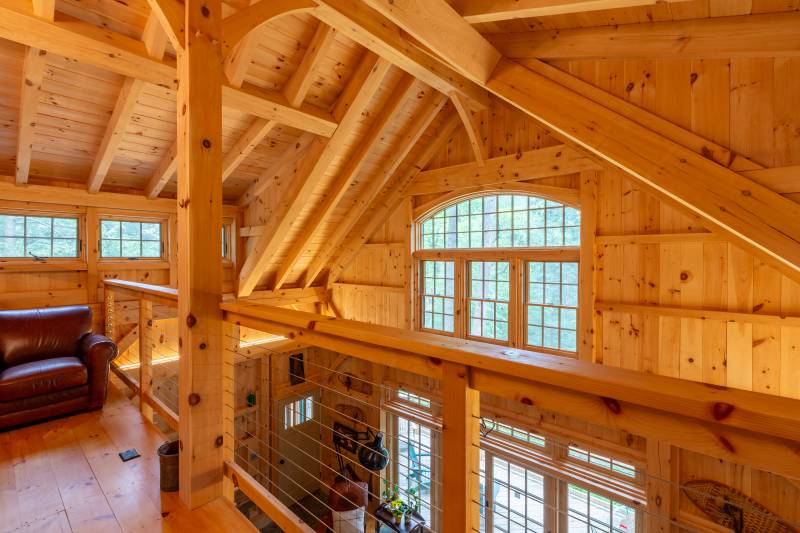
x: 28, y: 236
x: 552, y: 305
x: 517, y: 498
x: 588, y: 512
x: 502, y: 221
x: 298, y: 412
x: 438, y: 295
x: 489, y: 291
x: 129, y: 239
x: 414, y: 399
x: 491, y: 426
x: 415, y: 462
x: 600, y: 461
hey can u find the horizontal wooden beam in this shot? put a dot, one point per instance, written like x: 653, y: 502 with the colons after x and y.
x: 701, y: 314
x: 115, y: 52
x: 53, y: 195
x: 726, y: 423
x: 166, y: 414
x: 476, y: 11
x: 542, y: 163
x: 766, y: 35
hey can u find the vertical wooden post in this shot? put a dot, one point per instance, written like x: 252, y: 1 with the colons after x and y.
x: 587, y: 278
x: 461, y: 438
x: 145, y: 355
x: 110, y: 319
x: 199, y: 260
x: 231, y: 345
x: 92, y: 254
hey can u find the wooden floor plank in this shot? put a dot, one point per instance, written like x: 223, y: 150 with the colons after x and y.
x: 65, y: 475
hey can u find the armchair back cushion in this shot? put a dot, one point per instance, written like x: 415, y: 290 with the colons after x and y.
x: 36, y: 334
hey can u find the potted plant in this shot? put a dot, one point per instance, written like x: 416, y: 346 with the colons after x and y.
x: 414, y: 503
x: 398, y: 508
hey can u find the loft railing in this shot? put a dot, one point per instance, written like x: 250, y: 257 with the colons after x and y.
x: 144, y: 299
x: 737, y: 426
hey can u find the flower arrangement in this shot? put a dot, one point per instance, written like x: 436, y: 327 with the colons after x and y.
x: 398, y: 506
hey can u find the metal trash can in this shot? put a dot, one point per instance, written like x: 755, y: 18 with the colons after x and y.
x: 168, y: 465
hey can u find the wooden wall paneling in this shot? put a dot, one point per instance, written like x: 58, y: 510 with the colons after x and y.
x: 715, y: 296
x: 766, y: 338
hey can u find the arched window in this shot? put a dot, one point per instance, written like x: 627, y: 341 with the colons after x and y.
x: 501, y: 268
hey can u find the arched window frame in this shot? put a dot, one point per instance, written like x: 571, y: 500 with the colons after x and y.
x: 517, y: 257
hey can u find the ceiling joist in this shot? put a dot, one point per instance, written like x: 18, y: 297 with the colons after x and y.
x: 710, y: 38
x: 298, y: 85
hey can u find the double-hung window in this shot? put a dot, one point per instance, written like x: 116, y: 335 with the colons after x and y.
x: 501, y: 268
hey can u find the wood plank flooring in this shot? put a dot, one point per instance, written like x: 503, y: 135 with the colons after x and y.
x: 65, y: 475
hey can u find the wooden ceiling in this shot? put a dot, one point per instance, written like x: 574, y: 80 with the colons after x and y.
x: 87, y: 126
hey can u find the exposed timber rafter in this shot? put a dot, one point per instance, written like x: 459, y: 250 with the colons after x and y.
x: 475, y: 11
x: 278, y: 173
x: 346, y: 177
x: 718, y: 37
x: 171, y: 17
x: 376, y: 212
x: 388, y: 168
x: 32, y: 76
x: 155, y: 40
x: 362, y: 24
x: 754, y: 216
x: 542, y: 163
x: 353, y: 101
x: 163, y: 173
x: 298, y: 85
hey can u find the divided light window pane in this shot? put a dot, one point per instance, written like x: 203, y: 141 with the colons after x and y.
x: 298, y: 412
x: 488, y: 299
x: 130, y: 239
x: 552, y: 303
x: 23, y: 236
x: 502, y: 221
x: 590, y: 512
x: 438, y: 291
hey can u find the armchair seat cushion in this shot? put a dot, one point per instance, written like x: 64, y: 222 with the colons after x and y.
x: 41, y: 377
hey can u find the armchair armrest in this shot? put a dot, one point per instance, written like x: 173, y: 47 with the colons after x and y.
x: 97, y: 351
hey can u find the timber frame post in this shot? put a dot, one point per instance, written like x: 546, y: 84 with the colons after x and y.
x: 199, y: 108
x: 461, y: 439
x: 145, y: 356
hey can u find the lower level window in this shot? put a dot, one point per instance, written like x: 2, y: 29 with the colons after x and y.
x: 36, y: 237
x: 414, y: 463
x: 591, y: 513
x: 298, y: 412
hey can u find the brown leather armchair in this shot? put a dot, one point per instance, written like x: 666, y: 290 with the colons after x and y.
x: 51, y: 364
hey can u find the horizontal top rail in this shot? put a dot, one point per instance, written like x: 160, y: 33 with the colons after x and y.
x: 157, y: 293
x: 757, y: 412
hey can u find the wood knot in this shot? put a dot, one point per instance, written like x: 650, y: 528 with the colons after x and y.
x: 205, y: 11
x: 747, y: 193
x: 722, y: 410
x: 686, y: 275
x: 206, y: 144
x: 613, y: 405
x: 191, y: 321
x: 203, y: 346
x: 727, y: 444
x: 435, y: 361
x: 194, y: 399
x: 526, y: 401
x: 235, y: 480
x: 218, y: 441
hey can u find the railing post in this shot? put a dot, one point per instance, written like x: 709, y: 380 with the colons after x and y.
x: 145, y: 355
x: 230, y: 346
x: 461, y: 455
x: 110, y: 302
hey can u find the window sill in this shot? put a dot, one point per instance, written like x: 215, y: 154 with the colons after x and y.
x: 73, y: 265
